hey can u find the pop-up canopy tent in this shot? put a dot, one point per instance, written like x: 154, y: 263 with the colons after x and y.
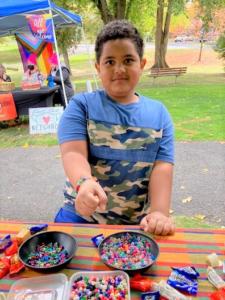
x: 13, y: 18
x: 13, y: 15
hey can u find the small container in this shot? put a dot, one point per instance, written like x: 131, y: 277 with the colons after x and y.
x: 99, y: 275
x: 63, y: 239
x: 115, y: 263
x: 7, y: 86
x: 49, y: 287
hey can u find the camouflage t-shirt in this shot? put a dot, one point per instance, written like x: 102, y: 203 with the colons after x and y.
x: 124, y: 142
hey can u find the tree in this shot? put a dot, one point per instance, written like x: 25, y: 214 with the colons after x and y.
x: 220, y: 46
x: 141, y: 12
x: 207, y: 9
x: 115, y: 9
x: 165, y: 10
x: 66, y: 37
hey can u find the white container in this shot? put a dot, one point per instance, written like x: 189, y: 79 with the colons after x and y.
x: 98, y: 274
x: 55, y: 286
x: 48, y: 287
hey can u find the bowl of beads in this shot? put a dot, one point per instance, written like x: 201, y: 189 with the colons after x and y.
x: 129, y: 251
x: 48, y: 251
x: 99, y: 285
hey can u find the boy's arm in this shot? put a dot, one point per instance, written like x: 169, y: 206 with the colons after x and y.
x: 90, y: 195
x: 74, y: 157
x: 160, y: 187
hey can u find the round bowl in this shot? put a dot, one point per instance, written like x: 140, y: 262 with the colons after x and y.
x: 63, y: 239
x: 118, y: 252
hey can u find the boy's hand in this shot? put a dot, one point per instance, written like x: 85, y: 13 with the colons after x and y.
x: 90, y: 197
x: 157, y: 223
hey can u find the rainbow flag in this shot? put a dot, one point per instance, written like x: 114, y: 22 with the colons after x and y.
x: 28, y: 44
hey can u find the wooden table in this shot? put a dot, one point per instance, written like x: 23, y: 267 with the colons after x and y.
x: 188, y: 247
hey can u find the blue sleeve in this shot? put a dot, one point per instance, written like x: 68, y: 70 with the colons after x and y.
x: 73, y: 123
x: 166, y: 147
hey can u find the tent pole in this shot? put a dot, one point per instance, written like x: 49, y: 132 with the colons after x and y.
x: 57, y: 53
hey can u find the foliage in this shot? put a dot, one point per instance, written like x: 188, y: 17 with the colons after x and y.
x: 92, y: 23
x: 67, y: 37
x: 179, y: 24
x: 206, y: 11
x: 144, y: 18
x: 220, y: 46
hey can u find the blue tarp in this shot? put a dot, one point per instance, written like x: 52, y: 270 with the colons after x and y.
x: 13, y: 15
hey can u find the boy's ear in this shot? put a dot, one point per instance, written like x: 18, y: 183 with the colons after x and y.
x: 143, y: 63
x: 97, y: 67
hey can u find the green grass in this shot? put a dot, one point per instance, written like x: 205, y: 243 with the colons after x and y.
x: 191, y: 222
x: 198, y: 110
x: 196, y: 102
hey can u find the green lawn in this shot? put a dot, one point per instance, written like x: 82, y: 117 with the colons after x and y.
x: 198, y: 112
x: 196, y: 102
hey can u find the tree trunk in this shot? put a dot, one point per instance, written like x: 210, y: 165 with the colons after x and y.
x: 121, y: 9
x: 66, y: 59
x: 102, y: 6
x: 162, y: 33
x: 202, y: 37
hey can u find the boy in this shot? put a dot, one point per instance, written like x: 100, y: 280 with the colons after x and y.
x: 120, y: 138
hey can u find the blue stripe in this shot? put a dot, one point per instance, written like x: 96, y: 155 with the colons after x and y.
x: 127, y: 155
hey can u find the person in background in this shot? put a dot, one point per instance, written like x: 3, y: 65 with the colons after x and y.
x: 54, y: 77
x: 3, y: 76
x: 117, y: 146
x: 32, y: 74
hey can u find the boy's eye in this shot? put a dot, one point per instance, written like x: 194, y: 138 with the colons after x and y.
x: 128, y: 61
x: 109, y: 62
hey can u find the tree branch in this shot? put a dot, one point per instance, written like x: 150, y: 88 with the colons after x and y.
x: 102, y: 6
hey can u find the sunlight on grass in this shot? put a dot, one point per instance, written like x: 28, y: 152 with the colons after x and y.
x: 191, y: 222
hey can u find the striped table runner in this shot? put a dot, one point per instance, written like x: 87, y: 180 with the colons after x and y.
x: 188, y: 247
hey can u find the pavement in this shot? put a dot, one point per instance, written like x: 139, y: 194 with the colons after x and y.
x: 32, y: 179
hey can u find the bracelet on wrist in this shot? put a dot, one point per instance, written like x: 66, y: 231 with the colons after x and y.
x: 80, y: 181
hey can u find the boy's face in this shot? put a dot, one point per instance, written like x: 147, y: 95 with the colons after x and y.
x: 120, y: 68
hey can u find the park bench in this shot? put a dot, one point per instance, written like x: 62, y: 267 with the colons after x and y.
x: 162, y: 72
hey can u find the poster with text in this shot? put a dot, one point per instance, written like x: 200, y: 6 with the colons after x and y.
x: 41, y: 27
x: 44, y: 120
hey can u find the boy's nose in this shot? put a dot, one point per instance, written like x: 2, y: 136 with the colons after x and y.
x: 119, y: 68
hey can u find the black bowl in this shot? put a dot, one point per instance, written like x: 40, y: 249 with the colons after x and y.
x: 152, y: 253
x: 63, y: 239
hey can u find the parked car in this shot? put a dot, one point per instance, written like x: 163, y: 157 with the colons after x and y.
x: 183, y: 38
x: 203, y: 40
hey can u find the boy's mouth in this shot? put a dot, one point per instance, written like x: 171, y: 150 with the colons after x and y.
x: 119, y: 79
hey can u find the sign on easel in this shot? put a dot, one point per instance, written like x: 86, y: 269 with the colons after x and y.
x: 44, y: 119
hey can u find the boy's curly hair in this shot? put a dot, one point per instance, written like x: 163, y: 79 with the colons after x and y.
x: 118, y: 29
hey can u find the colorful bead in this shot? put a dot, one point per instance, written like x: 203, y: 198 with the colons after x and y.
x: 102, y: 288
x: 80, y: 182
x: 47, y: 255
x: 127, y: 251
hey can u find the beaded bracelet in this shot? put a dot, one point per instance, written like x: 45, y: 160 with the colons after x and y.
x: 80, y: 181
